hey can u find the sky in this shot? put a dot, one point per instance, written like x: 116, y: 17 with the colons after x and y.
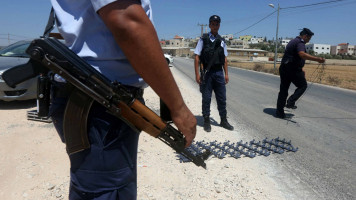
x: 332, y: 22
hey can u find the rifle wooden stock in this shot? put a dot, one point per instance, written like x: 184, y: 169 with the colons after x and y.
x: 142, y: 118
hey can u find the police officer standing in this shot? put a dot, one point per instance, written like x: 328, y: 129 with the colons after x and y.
x: 211, y: 52
x: 113, y: 37
x: 291, y: 71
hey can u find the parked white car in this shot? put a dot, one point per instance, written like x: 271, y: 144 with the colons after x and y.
x: 169, y: 58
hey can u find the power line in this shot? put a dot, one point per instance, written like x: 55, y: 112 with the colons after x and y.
x: 287, y: 10
x: 314, y: 4
x: 292, y: 7
x: 13, y: 35
x: 310, y: 9
x: 6, y: 39
x: 256, y: 22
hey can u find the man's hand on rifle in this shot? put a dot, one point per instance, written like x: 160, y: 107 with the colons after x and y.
x: 186, y: 123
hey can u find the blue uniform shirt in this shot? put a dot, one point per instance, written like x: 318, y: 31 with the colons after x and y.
x: 291, y: 55
x: 199, y: 46
x: 86, y: 34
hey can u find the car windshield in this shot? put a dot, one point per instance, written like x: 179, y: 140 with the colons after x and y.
x: 17, y: 49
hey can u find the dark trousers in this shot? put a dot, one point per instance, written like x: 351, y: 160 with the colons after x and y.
x: 107, y: 170
x: 289, y: 76
x: 214, y: 81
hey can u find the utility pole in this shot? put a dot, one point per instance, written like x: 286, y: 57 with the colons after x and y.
x: 276, y: 41
x: 276, y: 54
x: 202, y: 28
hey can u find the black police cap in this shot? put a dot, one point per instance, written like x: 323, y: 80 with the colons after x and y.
x: 214, y: 18
x: 306, y: 31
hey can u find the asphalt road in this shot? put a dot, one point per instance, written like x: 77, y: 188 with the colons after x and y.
x: 323, y: 128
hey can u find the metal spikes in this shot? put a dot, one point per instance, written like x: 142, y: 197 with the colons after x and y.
x: 236, y: 150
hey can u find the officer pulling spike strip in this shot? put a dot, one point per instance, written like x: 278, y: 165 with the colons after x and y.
x: 291, y: 71
x: 212, y: 74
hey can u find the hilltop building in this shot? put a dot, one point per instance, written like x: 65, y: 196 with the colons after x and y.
x: 239, y: 44
x: 318, y: 48
x: 246, y: 38
x: 343, y: 49
x: 256, y: 40
x: 178, y: 46
x: 177, y: 41
x: 284, y: 42
x: 228, y: 37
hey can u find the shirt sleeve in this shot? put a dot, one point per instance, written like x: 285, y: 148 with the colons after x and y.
x: 97, y: 4
x: 225, y: 48
x: 199, y: 47
x: 146, y: 5
x: 300, y: 47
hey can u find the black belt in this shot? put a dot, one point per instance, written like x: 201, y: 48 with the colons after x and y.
x: 63, y: 90
x: 216, y: 68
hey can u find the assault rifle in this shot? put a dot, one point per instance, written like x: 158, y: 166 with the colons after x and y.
x: 49, y: 54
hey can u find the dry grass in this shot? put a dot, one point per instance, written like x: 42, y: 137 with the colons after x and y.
x: 343, y: 76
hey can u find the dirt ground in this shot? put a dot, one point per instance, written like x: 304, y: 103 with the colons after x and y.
x: 34, y: 164
x: 334, y: 72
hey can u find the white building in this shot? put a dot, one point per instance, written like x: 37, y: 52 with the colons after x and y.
x: 352, y: 50
x: 318, y: 48
x: 334, y: 50
x: 284, y: 42
x: 348, y: 49
x: 343, y: 49
x: 255, y: 40
x: 240, y: 44
x: 177, y: 41
x: 228, y: 37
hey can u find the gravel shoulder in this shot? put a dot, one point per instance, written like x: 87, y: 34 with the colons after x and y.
x: 34, y: 164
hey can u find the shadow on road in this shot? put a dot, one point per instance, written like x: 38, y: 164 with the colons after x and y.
x: 272, y: 112
x: 321, y: 117
x: 200, y: 121
x: 13, y: 105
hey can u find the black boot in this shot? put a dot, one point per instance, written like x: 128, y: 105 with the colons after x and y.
x: 225, y: 124
x: 291, y: 105
x: 207, y: 126
x: 280, y: 114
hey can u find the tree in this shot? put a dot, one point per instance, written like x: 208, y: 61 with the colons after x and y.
x: 311, y: 52
x: 192, y: 44
x: 228, y: 42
